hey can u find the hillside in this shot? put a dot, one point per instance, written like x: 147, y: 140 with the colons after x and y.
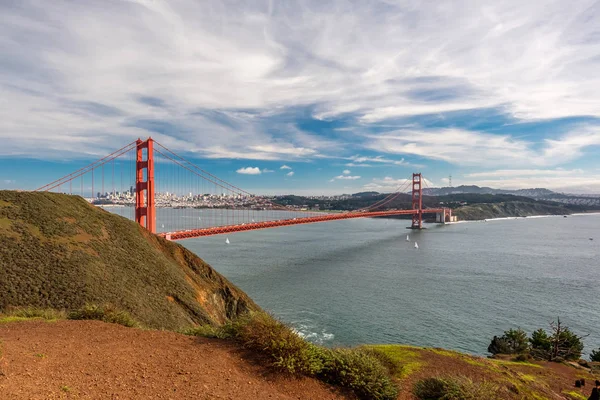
x: 507, y: 209
x: 91, y: 359
x: 60, y: 252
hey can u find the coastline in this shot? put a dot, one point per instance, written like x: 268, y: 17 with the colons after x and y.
x: 527, y: 217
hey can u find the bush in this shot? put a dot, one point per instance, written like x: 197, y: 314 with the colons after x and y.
x: 595, y: 356
x: 360, y: 371
x: 451, y: 388
x: 107, y: 313
x: 514, y: 341
x: 356, y: 369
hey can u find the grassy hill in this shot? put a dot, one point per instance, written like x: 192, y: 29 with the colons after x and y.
x: 58, y: 251
x: 508, y: 209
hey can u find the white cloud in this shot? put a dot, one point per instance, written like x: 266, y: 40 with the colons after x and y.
x: 291, y: 173
x: 8, y: 181
x: 362, y: 161
x: 390, y: 185
x: 571, y: 181
x: 345, y: 177
x: 509, y: 173
x: 464, y: 147
x: 346, y: 172
x: 72, y: 83
x: 285, y: 167
x: 249, y: 171
x: 266, y: 170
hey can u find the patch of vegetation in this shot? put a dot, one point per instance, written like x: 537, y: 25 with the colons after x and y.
x: 558, y: 345
x: 454, y: 388
x: 406, y: 358
x: 107, y: 313
x: 513, y: 341
x: 365, y: 371
x: 595, y: 355
x: 17, y: 314
x: 574, y: 395
x: 60, y: 252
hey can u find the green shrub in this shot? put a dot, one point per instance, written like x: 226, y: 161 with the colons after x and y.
x: 106, y: 313
x: 357, y: 369
x: 437, y: 389
x: 288, y: 351
x: 360, y: 371
x: 595, y: 356
x: 454, y: 388
x: 514, y: 341
x: 208, y: 331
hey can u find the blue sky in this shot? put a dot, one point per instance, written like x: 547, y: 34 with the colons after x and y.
x: 350, y: 95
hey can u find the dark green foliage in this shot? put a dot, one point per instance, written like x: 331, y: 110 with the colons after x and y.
x: 454, y: 388
x: 288, y: 351
x: 360, y: 371
x: 105, y: 313
x: 595, y: 356
x: 363, y: 371
x: 60, y: 252
x: 513, y: 341
x: 540, y: 342
x: 436, y: 388
x: 560, y: 344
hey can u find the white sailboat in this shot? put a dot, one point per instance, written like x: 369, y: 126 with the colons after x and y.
x: 407, y: 238
x: 162, y: 226
x: 227, y: 240
x: 416, y: 245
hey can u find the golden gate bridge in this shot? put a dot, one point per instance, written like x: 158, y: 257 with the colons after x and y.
x: 154, y: 174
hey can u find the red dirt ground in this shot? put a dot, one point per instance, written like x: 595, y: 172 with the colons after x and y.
x: 91, y: 359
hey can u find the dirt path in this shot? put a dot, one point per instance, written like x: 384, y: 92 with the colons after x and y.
x: 90, y: 359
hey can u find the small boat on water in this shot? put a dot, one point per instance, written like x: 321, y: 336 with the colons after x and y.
x: 227, y: 241
x: 407, y: 238
x: 416, y: 245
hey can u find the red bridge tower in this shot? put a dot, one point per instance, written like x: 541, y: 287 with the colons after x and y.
x: 145, y: 213
x: 417, y: 202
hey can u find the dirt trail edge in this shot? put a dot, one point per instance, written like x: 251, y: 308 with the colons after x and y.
x: 95, y: 360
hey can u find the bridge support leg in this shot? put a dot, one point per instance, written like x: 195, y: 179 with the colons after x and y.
x: 417, y: 202
x: 145, y: 213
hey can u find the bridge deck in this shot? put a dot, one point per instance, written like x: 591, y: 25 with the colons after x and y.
x: 219, y: 230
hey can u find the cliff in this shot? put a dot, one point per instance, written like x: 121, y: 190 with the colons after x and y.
x: 58, y: 251
x: 507, y: 209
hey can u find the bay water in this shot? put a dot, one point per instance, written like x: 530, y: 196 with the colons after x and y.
x: 359, y: 281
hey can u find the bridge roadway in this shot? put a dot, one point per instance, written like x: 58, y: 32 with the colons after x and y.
x: 219, y: 230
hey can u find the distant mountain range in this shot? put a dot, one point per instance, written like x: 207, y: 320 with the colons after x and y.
x: 533, y: 193
x: 536, y: 193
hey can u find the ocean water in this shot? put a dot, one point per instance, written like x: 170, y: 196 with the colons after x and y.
x: 359, y: 281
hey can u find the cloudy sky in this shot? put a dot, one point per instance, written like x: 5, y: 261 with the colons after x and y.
x: 307, y: 96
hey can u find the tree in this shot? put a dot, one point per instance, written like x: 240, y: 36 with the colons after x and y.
x: 595, y: 356
x: 513, y: 341
x: 540, y: 344
x: 562, y: 343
